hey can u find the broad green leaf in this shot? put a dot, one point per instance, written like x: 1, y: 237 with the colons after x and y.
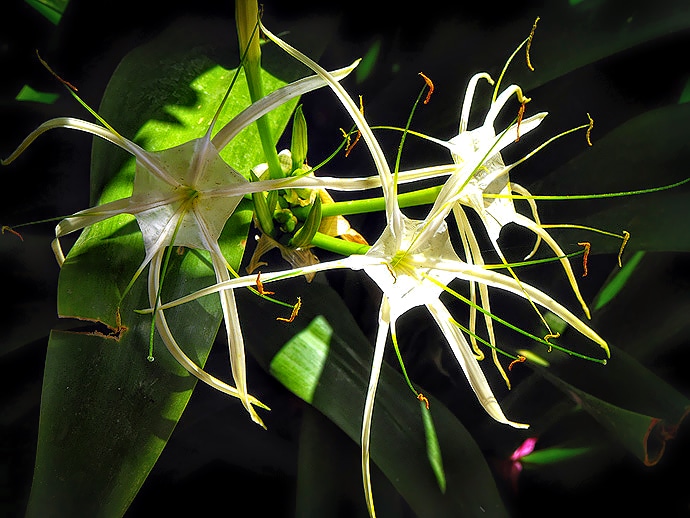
x: 324, y: 326
x: 119, y: 405
x: 299, y: 364
x: 643, y: 435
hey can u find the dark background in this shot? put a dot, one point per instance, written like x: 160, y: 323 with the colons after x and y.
x: 201, y: 468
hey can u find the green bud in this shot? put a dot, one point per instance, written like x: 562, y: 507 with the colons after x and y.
x: 283, y: 215
x: 306, y: 233
x: 261, y: 210
x: 298, y: 145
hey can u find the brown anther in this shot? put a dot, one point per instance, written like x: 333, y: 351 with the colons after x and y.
x: 423, y: 398
x: 295, y: 310
x: 529, y: 44
x: 430, y: 84
x: 359, y: 133
x: 585, y: 256
x: 66, y: 83
x: 521, y: 114
x: 519, y: 359
x: 260, y: 286
x: 5, y: 228
x: 392, y: 272
x: 589, y: 130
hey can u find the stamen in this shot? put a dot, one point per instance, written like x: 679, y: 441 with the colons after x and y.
x: 423, y: 398
x: 392, y: 272
x: 626, y: 236
x: 66, y: 83
x: 11, y: 231
x: 430, y: 84
x: 549, y: 336
x: 260, y: 286
x: 295, y: 310
x: 519, y: 359
x: 359, y: 133
x: 589, y: 129
x: 529, y: 44
x: 521, y: 114
x: 587, y: 246
x: 346, y: 136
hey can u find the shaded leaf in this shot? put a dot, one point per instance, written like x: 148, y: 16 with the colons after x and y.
x: 399, y: 443
x: 642, y: 153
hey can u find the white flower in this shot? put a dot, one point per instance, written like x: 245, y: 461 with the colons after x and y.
x: 412, y: 262
x: 183, y: 196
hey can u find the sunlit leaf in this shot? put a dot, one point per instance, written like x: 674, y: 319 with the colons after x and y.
x: 29, y: 94
x: 107, y: 412
x: 51, y: 9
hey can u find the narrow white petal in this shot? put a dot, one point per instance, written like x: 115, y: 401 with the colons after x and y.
x: 94, y: 129
x: 471, y: 272
x: 389, y: 189
x: 465, y: 357
x: 271, y: 101
x: 379, y: 349
x: 234, y: 335
x: 172, y: 345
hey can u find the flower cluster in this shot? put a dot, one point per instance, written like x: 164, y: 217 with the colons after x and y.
x: 183, y: 196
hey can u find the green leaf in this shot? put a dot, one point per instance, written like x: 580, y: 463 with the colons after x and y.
x: 433, y: 448
x: 325, y: 327
x: 29, y: 94
x: 642, y: 153
x: 553, y: 455
x: 617, y: 281
x: 299, y: 363
x: 51, y: 9
x: 106, y: 412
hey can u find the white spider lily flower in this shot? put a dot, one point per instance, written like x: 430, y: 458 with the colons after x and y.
x: 412, y: 262
x: 183, y: 196
x: 482, y: 182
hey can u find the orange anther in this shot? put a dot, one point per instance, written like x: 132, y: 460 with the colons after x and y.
x: 519, y: 359
x: 430, y: 84
x: 66, y: 83
x: 295, y: 310
x: 521, y: 113
x: 260, y: 286
x: 423, y: 398
x: 11, y: 231
x: 585, y: 256
x: 359, y: 133
x: 549, y: 336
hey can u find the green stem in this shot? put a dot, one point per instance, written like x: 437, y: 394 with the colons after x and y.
x: 407, y: 199
x: 339, y: 246
x: 247, y: 16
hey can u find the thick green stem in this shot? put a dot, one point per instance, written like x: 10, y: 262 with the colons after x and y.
x: 247, y: 18
x: 338, y: 246
x: 408, y: 199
